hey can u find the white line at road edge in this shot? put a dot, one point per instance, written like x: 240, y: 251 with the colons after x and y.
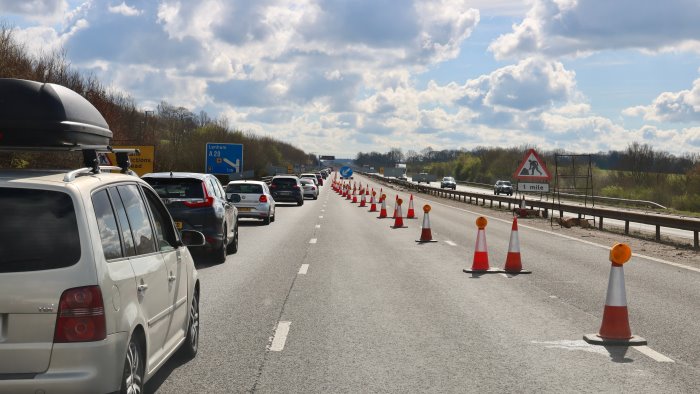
x: 313, y: 240
x: 280, y: 336
x: 318, y: 226
x: 606, y: 247
x: 320, y: 217
x: 450, y: 243
x: 304, y: 269
x: 653, y: 354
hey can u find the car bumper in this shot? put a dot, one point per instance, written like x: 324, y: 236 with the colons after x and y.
x: 288, y: 198
x: 88, y: 367
x: 254, y: 212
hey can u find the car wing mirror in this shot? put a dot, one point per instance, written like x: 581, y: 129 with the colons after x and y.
x: 192, y: 238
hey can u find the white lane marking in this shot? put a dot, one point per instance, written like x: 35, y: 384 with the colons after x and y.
x: 320, y: 217
x: 450, y: 243
x: 318, y: 226
x: 280, y: 336
x: 304, y: 268
x: 553, y: 297
x: 606, y: 247
x: 653, y: 354
x: 313, y: 240
x: 323, y: 210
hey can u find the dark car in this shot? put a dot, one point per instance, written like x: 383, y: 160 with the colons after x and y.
x: 287, y: 188
x: 198, y: 202
x: 319, y: 178
x: 504, y: 187
x: 448, y: 183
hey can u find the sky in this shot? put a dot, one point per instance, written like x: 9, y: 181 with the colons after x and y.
x: 337, y: 77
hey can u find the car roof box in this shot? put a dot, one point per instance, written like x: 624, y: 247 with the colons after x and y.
x: 35, y: 114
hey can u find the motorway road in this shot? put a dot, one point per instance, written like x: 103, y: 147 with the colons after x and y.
x: 330, y: 299
x: 648, y: 230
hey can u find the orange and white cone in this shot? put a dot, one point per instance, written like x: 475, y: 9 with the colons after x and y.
x: 480, y: 263
x: 615, y: 328
x: 425, y: 234
x: 411, y: 214
x: 382, y: 212
x: 398, y: 219
x: 363, y: 202
x: 354, y: 195
x: 393, y: 215
x: 514, y: 264
x: 373, y: 204
x: 348, y: 196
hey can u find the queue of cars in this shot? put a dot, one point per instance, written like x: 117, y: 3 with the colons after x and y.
x: 98, y: 285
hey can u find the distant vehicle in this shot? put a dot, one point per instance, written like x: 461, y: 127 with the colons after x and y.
x: 310, y: 176
x: 310, y: 188
x: 97, y: 287
x: 448, y: 183
x: 403, y: 177
x: 319, y: 178
x: 503, y: 187
x: 423, y: 177
x: 198, y: 202
x: 287, y: 188
x: 252, y: 199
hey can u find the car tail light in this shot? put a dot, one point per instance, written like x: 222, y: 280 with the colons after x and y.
x: 263, y: 198
x: 81, y: 316
x: 296, y: 187
x: 207, y: 202
x: 313, y: 187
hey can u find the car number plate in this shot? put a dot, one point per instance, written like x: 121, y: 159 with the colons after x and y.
x: 244, y: 209
x: 284, y: 193
x: 178, y: 225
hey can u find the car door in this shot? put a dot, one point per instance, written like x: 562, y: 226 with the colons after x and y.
x: 150, y: 272
x: 178, y: 280
x: 228, y: 207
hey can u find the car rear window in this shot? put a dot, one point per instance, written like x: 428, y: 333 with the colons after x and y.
x: 176, y: 187
x: 244, y: 188
x: 38, y: 231
x: 284, y: 183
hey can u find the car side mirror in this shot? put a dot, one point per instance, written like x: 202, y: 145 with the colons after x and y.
x: 235, y: 198
x: 192, y: 238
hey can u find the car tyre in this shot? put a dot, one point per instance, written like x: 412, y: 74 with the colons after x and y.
x: 274, y: 216
x: 266, y: 219
x: 191, y: 345
x: 219, y: 254
x: 316, y: 197
x: 134, y: 368
x: 233, y: 246
x: 300, y: 202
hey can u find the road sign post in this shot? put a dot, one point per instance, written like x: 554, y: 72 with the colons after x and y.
x: 224, y: 159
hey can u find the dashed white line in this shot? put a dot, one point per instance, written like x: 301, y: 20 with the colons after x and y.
x: 450, y: 243
x: 313, y: 240
x: 304, y: 269
x: 653, y: 354
x: 320, y: 217
x: 318, y: 226
x: 280, y: 336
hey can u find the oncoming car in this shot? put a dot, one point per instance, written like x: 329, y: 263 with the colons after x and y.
x: 448, y: 183
x: 98, y: 289
x: 253, y: 200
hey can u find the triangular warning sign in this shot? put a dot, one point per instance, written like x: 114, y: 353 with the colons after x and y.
x: 532, y: 168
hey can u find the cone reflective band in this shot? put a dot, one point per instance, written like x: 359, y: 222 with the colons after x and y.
x: 398, y: 220
x: 382, y: 211
x: 373, y: 205
x: 426, y: 234
x: 513, y: 263
x: 411, y: 214
x: 363, y: 202
x: 615, y: 328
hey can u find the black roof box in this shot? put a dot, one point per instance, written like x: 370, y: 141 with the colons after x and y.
x: 35, y: 114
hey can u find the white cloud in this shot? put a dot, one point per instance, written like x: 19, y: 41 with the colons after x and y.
x: 682, y: 106
x: 46, y: 11
x: 124, y: 9
x: 574, y: 27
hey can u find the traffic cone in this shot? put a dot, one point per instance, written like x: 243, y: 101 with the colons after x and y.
x: 367, y: 190
x: 382, y: 212
x: 480, y: 264
x: 363, y: 202
x: 411, y: 214
x: 398, y: 220
x: 615, y: 328
x: 348, y: 196
x: 425, y: 234
x: 354, y: 195
x: 513, y: 263
x: 373, y: 205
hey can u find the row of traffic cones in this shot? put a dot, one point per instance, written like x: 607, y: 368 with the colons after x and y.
x: 480, y: 262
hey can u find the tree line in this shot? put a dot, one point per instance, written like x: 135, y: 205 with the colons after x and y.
x: 178, y: 134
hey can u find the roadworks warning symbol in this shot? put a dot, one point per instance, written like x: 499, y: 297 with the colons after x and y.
x: 532, y: 168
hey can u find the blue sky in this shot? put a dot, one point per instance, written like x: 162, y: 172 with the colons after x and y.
x: 337, y: 77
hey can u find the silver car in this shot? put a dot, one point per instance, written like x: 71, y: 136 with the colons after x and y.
x: 310, y: 188
x: 253, y: 200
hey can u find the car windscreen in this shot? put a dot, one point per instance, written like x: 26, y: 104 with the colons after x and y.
x: 244, y: 188
x: 38, y: 231
x: 284, y: 183
x: 176, y: 187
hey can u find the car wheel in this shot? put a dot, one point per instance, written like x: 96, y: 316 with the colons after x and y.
x: 300, y: 202
x: 233, y: 246
x: 191, y: 345
x: 219, y: 254
x: 316, y: 197
x: 134, y: 367
x: 267, y: 219
x: 274, y: 216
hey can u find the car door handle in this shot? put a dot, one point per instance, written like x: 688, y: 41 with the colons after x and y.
x: 172, y: 278
x: 142, y: 287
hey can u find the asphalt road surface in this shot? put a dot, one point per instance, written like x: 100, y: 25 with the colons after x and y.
x: 331, y: 299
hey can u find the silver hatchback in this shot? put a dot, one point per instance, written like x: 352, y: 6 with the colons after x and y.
x: 253, y: 200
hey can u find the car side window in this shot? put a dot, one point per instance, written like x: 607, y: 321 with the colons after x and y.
x: 138, y: 219
x: 165, y: 234
x: 212, y: 184
x: 107, y: 225
x: 123, y: 221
